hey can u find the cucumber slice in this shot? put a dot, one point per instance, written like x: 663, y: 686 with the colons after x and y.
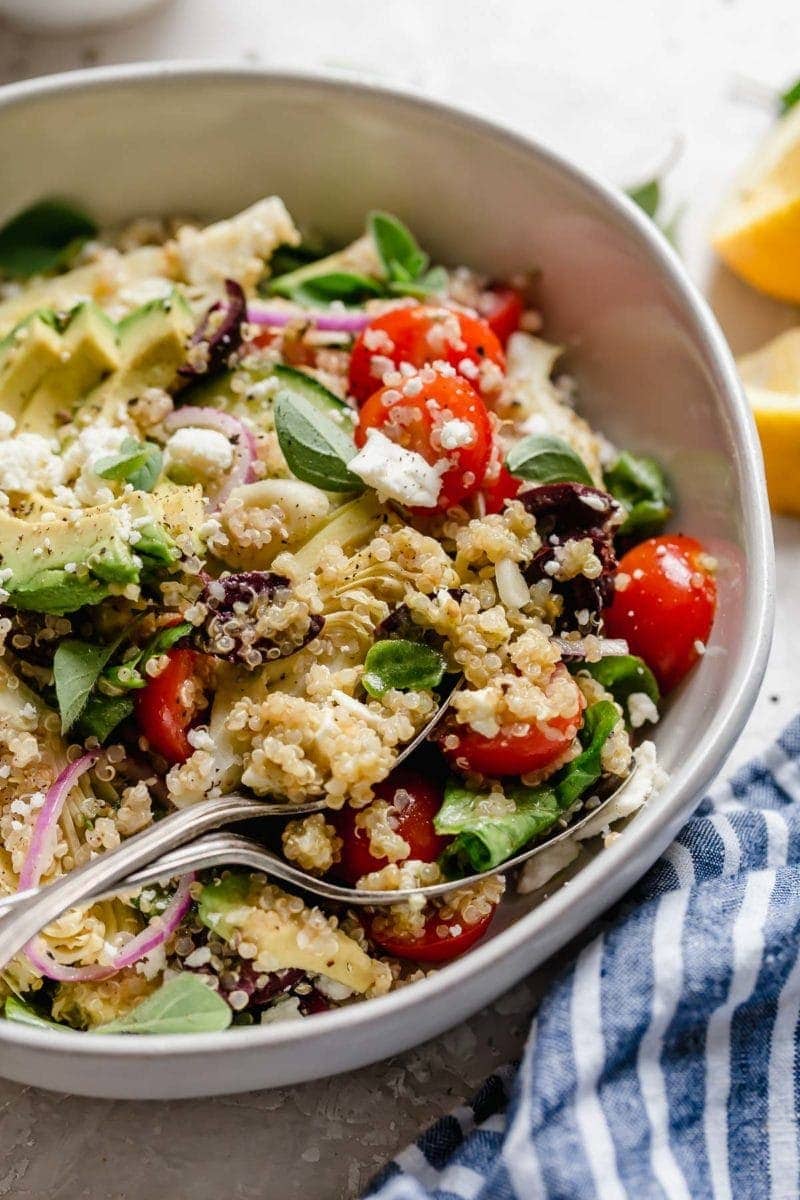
x: 218, y: 392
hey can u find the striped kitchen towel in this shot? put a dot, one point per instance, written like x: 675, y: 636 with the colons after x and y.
x: 665, y: 1061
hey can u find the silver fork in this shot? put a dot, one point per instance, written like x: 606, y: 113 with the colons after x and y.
x: 137, y: 862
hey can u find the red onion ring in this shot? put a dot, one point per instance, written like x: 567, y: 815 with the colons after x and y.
x: 331, y: 322
x: 150, y: 938
x: 54, y: 800
x: 243, y: 438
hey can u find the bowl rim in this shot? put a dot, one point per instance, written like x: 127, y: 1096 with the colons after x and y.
x: 686, y: 783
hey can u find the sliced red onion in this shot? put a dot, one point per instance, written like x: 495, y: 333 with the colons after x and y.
x: 243, y: 438
x: 330, y: 322
x: 47, y: 820
x: 150, y: 938
x: 225, y: 339
x: 574, y: 651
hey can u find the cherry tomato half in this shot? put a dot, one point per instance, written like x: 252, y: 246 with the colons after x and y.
x: 503, y: 487
x: 421, y: 335
x: 430, y: 946
x: 419, y: 422
x: 416, y: 801
x: 501, y: 308
x: 508, y: 754
x: 162, y: 713
x: 666, y: 609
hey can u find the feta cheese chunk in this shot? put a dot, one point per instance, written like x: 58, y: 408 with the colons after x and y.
x: 198, y: 453
x: 97, y: 441
x: 28, y: 464
x: 456, y: 433
x: 396, y: 473
x: 235, y: 249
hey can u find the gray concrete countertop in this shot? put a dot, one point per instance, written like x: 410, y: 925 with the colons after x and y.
x: 622, y: 88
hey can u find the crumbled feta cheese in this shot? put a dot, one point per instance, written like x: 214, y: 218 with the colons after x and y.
x: 640, y: 709
x: 456, y: 433
x: 198, y: 452
x: 238, y: 248
x: 93, y: 443
x: 28, y: 464
x: 396, y: 473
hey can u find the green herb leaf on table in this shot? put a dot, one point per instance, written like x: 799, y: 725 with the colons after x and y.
x: 138, y: 463
x: 317, y: 449
x: 640, y: 485
x: 76, y: 668
x: 541, y: 458
x: 397, y: 663
x: 789, y: 98
x: 43, y: 237
x: 182, y: 1005
x: 648, y: 196
x: 18, y: 1010
x: 483, y: 842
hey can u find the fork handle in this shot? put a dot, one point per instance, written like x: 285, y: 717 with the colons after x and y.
x: 101, y: 874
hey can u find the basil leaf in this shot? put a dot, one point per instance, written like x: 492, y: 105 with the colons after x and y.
x: 641, y: 487
x: 18, y: 1010
x: 624, y: 675
x: 408, y: 666
x: 182, y: 1005
x: 102, y: 715
x: 647, y: 196
x: 789, y: 98
x: 541, y: 458
x: 434, y: 280
x: 76, y: 668
x: 397, y: 247
x: 138, y: 463
x: 482, y: 841
x: 42, y: 237
x: 317, y: 449
x: 336, y: 285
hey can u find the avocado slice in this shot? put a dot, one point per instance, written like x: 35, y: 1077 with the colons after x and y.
x: 90, y: 351
x: 96, y: 545
x: 32, y: 349
x: 230, y: 908
x: 152, y: 346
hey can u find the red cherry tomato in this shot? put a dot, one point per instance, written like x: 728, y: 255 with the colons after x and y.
x: 430, y: 946
x: 503, y: 487
x: 507, y: 754
x: 667, y: 607
x: 502, y: 308
x: 417, y: 423
x: 421, y: 335
x: 161, y: 709
x: 416, y: 801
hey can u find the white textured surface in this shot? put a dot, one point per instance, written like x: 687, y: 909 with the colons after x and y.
x: 620, y: 88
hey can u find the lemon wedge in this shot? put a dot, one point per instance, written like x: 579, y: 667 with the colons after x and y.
x: 757, y: 232
x: 771, y: 377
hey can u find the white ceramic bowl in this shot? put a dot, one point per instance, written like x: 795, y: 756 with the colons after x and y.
x: 654, y: 372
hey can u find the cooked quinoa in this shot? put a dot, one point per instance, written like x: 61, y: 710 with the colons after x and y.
x: 255, y: 536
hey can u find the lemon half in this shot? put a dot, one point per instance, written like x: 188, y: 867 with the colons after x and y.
x: 771, y: 377
x: 757, y: 232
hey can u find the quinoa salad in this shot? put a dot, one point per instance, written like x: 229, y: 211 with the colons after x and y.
x: 267, y: 508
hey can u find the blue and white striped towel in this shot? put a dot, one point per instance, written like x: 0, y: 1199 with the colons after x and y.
x: 665, y: 1062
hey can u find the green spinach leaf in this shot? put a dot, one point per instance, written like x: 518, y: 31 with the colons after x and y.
x: 182, y: 1005
x: 623, y: 675
x: 397, y: 663
x: 541, y: 458
x: 641, y: 487
x: 42, y: 238
x: 102, y: 714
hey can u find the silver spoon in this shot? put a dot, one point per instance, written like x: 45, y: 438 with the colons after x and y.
x: 26, y: 913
